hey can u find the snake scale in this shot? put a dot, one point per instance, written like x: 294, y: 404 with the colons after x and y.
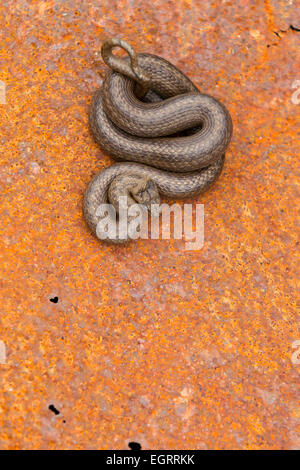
x: 171, y: 138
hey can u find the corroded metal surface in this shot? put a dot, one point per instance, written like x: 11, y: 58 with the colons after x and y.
x: 149, y: 342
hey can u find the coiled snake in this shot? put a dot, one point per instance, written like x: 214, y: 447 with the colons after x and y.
x: 171, y: 136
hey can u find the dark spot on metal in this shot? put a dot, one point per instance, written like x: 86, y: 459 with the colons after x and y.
x: 53, y: 409
x: 134, y: 445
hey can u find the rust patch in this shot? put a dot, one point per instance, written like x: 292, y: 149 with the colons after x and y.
x: 148, y: 344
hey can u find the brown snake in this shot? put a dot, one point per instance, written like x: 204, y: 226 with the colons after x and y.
x: 171, y: 136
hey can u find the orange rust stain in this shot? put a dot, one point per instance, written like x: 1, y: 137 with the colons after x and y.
x: 149, y: 342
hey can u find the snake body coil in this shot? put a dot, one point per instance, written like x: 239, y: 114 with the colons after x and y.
x: 172, y: 137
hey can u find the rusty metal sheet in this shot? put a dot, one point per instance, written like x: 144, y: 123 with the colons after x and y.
x: 150, y: 343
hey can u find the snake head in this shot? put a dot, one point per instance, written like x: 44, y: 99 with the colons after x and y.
x: 146, y: 192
